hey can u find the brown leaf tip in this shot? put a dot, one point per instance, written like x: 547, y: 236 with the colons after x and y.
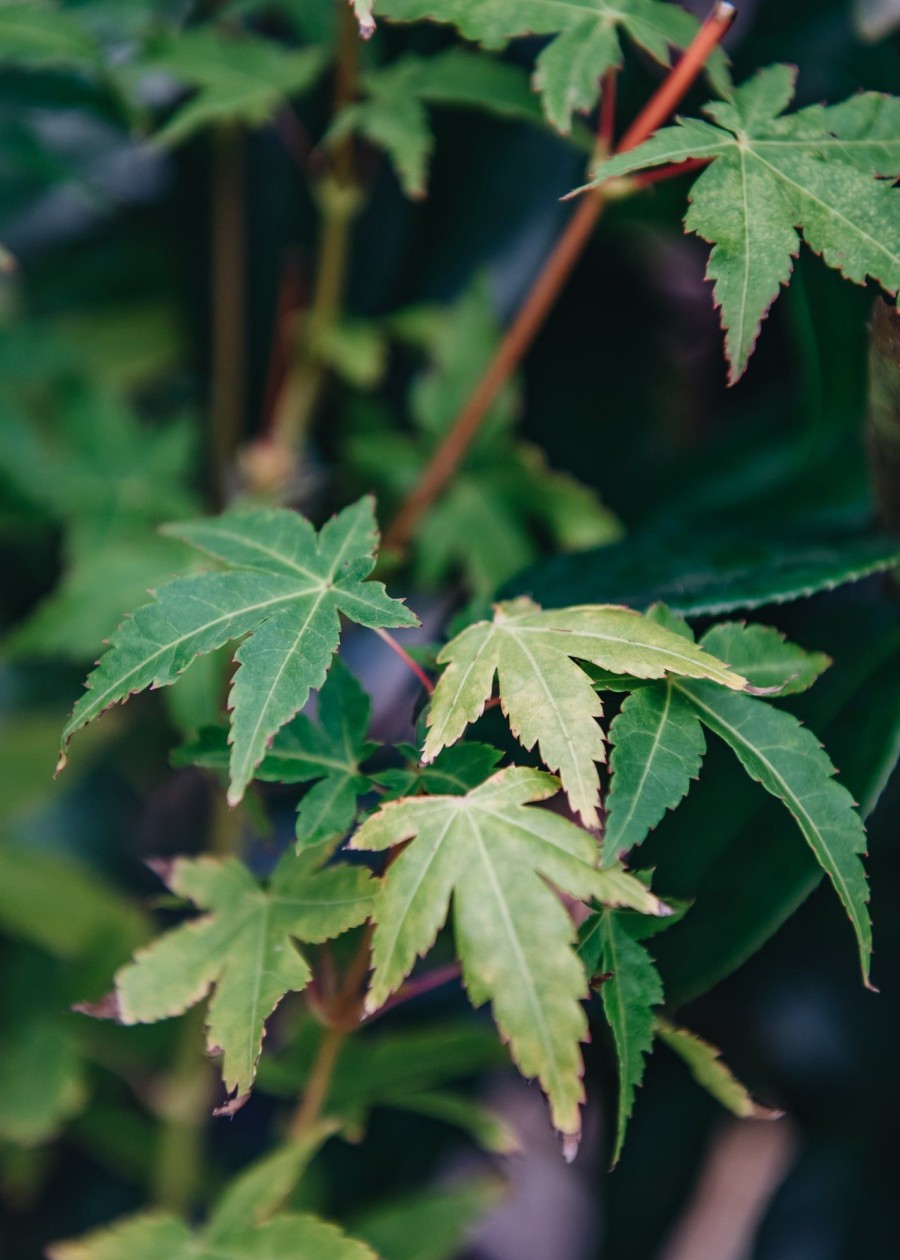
x: 232, y: 1106
x: 163, y: 868
x: 106, y: 1008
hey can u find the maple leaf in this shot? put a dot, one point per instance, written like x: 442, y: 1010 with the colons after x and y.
x: 548, y: 699
x: 630, y: 990
x: 453, y: 772
x: 36, y: 34
x: 492, y: 854
x: 330, y: 750
x: 159, y: 1237
x: 394, y: 113
x: 658, y: 754
x: 658, y: 748
x: 244, y: 947
x: 704, y: 1062
x: 284, y: 588
x: 772, y: 175
x: 765, y: 656
x: 586, y: 39
x: 241, y: 80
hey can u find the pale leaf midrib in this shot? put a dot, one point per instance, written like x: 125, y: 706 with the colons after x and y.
x: 645, y: 770
x: 806, y: 823
x: 532, y: 997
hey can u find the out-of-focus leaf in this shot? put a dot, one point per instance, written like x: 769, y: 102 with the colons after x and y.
x: 42, y: 1075
x: 504, y: 500
x: 431, y: 1225
x: 264, y: 1187
x: 700, y: 572
x: 394, y: 115
x: 238, y: 79
x: 64, y: 909
x: 586, y: 38
x: 159, y: 1237
x: 38, y: 33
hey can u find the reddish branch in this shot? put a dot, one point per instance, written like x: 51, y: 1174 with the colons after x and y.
x: 407, y: 660
x: 549, y: 283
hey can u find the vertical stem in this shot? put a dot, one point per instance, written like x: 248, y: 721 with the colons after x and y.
x: 883, y: 432
x: 228, y: 300
x: 183, y: 1109
x: 338, y: 198
x: 315, y: 1095
x: 607, y: 122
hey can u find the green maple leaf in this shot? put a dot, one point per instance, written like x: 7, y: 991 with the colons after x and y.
x: 765, y: 656
x: 772, y: 745
x: 658, y: 748
x: 772, y: 175
x: 245, y: 1222
x: 244, y: 947
x: 704, y: 1062
x: 452, y: 773
x: 548, y: 699
x: 43, y: 34
x: 157, y: 1237
x: 284, y: 587
x: 394, y: 114
x: 107, y: 479
x: 330, y: 750
x: 630, y: 990
x: 237, y: 80
x: 586, y: 39
x: 492, y: 854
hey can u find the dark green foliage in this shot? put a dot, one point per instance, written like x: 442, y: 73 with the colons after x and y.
x: 291, y: 296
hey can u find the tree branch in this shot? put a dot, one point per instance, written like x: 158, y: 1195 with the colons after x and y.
x: 548, y: 285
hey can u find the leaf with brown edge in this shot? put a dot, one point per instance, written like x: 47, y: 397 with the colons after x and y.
x: 494, y: 855
x: 546, y: 695
x: 244, y: 947
x: 704, y: 1062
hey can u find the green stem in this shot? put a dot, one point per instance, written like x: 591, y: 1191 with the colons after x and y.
x: 315, y: 1095
x: 339, y: 203
x: 228, y: 369
x: 183, y: 1109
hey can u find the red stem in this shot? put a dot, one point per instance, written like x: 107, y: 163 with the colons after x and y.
x: 407, y: 660
x: 673, y: 88
x: 671, y: 171
x: 425, y: 983
x: 606, y: 128
x: 547, y: 287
